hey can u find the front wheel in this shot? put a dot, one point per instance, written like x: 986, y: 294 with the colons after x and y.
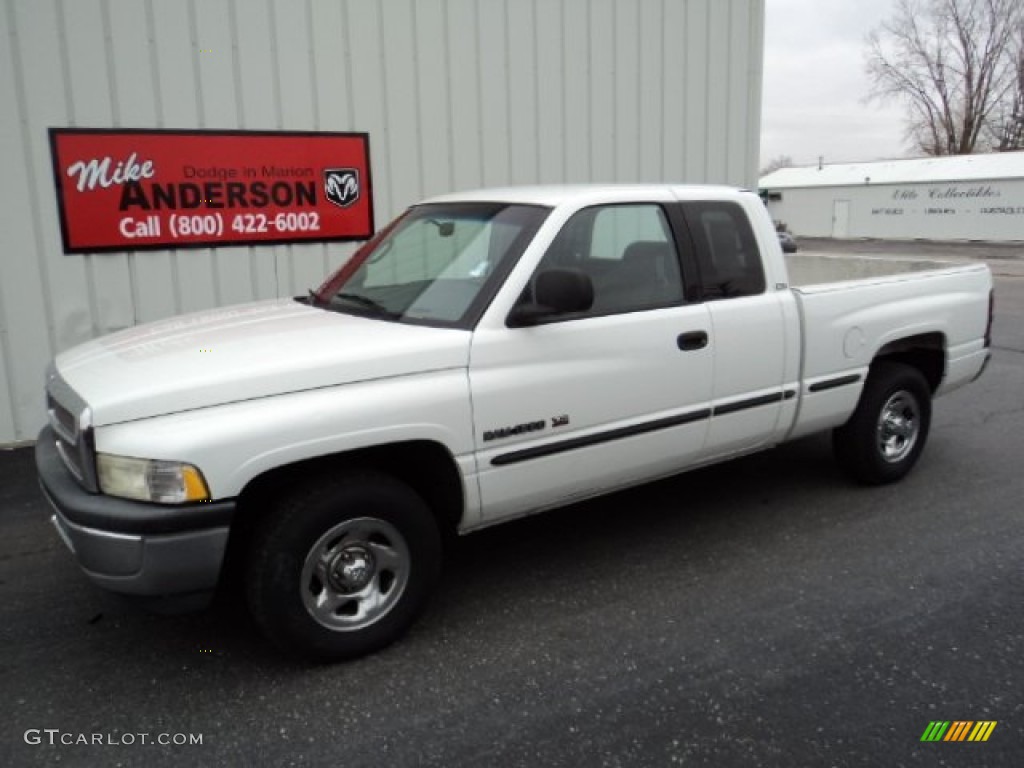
x: 344, y: 566
x: 886, y: 433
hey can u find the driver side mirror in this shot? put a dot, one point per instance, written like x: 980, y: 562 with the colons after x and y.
x: 556, y: 292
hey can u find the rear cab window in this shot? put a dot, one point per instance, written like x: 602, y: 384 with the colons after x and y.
x: 728, y: 259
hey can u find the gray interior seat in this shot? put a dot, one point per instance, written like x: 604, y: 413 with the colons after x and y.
x: 647, y: 275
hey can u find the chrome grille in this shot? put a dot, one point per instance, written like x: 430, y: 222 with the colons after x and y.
x: 69, y: 416
x: 70, y: 456
x: 63, y: 423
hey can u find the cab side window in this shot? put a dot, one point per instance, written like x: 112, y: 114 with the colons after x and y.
x: 727, y: 254
x: 628, y: 253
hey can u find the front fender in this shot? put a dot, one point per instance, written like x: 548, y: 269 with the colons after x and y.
x: 236, y: 442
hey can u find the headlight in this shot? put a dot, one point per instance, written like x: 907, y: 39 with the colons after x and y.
x: 165, y: 482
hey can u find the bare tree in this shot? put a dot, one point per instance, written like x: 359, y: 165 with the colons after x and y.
x: 951, y: 62
x: 779, y: 161
x: 1008, y: 133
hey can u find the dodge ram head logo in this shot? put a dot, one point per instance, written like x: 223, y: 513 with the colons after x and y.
x: 341, y: 185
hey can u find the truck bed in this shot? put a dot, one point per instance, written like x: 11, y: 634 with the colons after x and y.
x: 818, y: 269
x: 851, y: 307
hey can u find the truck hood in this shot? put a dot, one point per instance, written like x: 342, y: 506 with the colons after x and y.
x: 244, y: 352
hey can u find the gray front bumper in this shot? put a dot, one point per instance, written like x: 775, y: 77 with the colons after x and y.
x: 131, y: 547
x: 151, y: 565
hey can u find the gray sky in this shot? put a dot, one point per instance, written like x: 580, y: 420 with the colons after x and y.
x: 815, y: 84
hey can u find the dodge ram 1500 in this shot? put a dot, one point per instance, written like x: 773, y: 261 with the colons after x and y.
x: 486, y: 356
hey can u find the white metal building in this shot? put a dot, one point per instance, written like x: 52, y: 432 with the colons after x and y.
x: 454, y: 94
x: 963, y: 197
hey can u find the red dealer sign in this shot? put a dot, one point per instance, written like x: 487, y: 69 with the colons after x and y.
x: 128, y: 190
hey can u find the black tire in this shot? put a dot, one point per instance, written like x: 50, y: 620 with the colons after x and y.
x: 311, y: 555
x: 873, y: 449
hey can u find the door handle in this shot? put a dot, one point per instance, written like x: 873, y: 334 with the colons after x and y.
x: 688, y: 342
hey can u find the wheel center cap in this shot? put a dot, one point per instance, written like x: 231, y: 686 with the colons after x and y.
x: 897, y: 426
x: 352, y: 568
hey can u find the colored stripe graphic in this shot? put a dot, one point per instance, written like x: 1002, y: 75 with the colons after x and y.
x: 958, y: 730
x: 982, y: 730
x: 935, y: 730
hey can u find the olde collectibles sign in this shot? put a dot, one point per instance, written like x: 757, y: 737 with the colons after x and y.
x: 955, y: 210
x: 120, y: 190
x: 985, y: 199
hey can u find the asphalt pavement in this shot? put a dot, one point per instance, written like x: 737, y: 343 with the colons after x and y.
x: 762, y: 612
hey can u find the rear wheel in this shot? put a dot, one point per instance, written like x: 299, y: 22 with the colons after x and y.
x: 344, y: 566
x: 886, y: 433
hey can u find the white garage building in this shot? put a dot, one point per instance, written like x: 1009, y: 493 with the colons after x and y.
x: 964, y: 197
x: 452, y: 94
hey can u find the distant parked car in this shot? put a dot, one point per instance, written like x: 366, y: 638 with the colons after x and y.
x: 787, y: 242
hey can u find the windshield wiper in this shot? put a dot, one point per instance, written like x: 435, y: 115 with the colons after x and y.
x: 366, y: 301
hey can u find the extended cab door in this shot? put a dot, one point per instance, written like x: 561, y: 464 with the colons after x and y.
x: 748, y: 329
x: 602, y: 398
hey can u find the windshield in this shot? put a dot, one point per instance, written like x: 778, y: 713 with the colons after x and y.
x: 439, y: 264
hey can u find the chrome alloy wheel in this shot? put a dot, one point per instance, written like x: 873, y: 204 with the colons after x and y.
x: 899, y: 424
x: 355, y: 573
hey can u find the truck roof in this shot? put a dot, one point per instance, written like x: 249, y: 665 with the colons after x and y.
x: 557, y: 194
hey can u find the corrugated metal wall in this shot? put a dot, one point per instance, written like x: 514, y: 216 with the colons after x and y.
x: 455, y: 94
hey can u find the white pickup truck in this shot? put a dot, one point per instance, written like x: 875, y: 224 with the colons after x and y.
x: 486, y: 356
